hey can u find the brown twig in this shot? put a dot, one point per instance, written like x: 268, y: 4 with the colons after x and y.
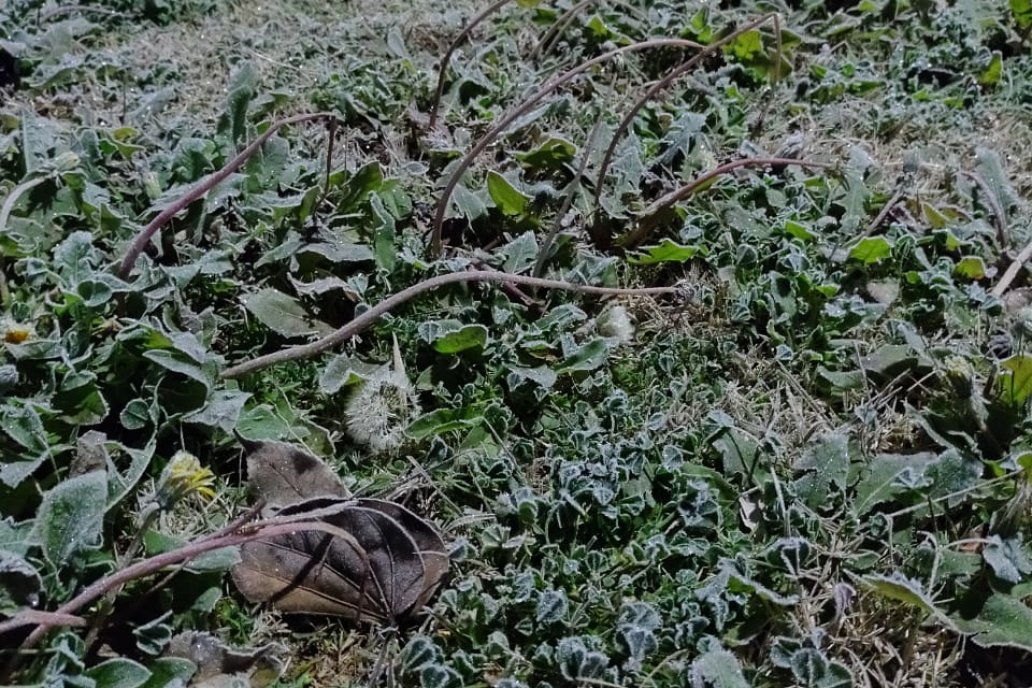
x: 883, y: 213
x: 139, y: 243
x: 64, y: 615
x: 650, y: 217
x: 1012, y: 271
x: 370, y: 316
x: 526, y: 105
x: 446, y: 60
x: 662, y: 85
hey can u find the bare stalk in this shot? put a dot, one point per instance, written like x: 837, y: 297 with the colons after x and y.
x: 446, y: 60
x: 202, y: 187
x: 665, y: 83
x: 650, y: 217
x: 369, y: 317
x: 549, y: 86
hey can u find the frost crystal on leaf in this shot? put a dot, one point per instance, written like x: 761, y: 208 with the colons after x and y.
x: 382, y: 407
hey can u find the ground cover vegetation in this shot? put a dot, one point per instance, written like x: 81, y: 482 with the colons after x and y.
x: 643, y: 342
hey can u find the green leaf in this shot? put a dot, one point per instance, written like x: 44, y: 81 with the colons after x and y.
x: 282, y: 314
x: 170, y: 671
x: 870, y: 250
x: 718, y: 668
x: 827, y: 463
x: 357, y: 189
x: 468, y: 337
x: 384, y: 230
x: 1014, y: 384
x: 508, y: 199
x: 445, y: 420
x: 1007, y: 558
x: 589, y: 357
x: 992, y: 74
x: 1022, y: 11
x: 798, y: 230
x: 222, y: 410
x: 171, y: 361
x: 119, y: 673
x: 342, y: 371
x: 667, y: 252
x: 1003, y: 621
x: 242, y: 85
x: 878, y: 480
x: 552, y: 154
x: 71, y: 515
x: 520, y: 253
x: 971, y: 267
x: 902, y: 589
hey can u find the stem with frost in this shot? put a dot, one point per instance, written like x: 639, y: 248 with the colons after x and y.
x: 487, y: 139
x: 369, y: 317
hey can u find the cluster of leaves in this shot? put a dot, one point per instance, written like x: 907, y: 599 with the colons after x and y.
x: 832, y: 439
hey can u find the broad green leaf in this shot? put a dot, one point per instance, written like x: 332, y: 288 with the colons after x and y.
x: 170, y: 361
x: 342, y: 371
x: 1014, y: 383
x: 242, y: 85
x: 222, y: 410
x: 870, y: 250
x: 950, y: 474
x: 357, y: 189
x: 71, y: 515
x: 282, y: 314
x: 992, y: 74
x: 827, y: 466
x: 1008, y: 559
x: 718, y: 668
x: 971, y: 267
x: 444, y: 420
x: 543, y: 376
x: 468, y: 337
x: 667, y: 251
x: 1022, y: 12
x: 509, y: 200
x: 119, y: 673
x: 520, y: 253
x: 170, y: 671
x: 879, y: 479
x: 1003, y: 621
x: 902, y: 589
x: 551, y: 154
x: 384, y: 229
x: 589, y: 357
x: 798, y: 230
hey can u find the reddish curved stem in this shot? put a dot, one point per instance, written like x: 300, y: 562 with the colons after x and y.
x: 488, y: 138
x: 446, y: 60
x: 202, y: 187
x: 649, y: 218
x: 662, y: 85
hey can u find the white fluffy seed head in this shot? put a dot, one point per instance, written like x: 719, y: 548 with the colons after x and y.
x: 615, y: 323
x: 382, y: 408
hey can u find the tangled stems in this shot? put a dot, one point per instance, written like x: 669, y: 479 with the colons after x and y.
x: 140, y: 241
x: 436, y: 243
x: 369, y: 317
